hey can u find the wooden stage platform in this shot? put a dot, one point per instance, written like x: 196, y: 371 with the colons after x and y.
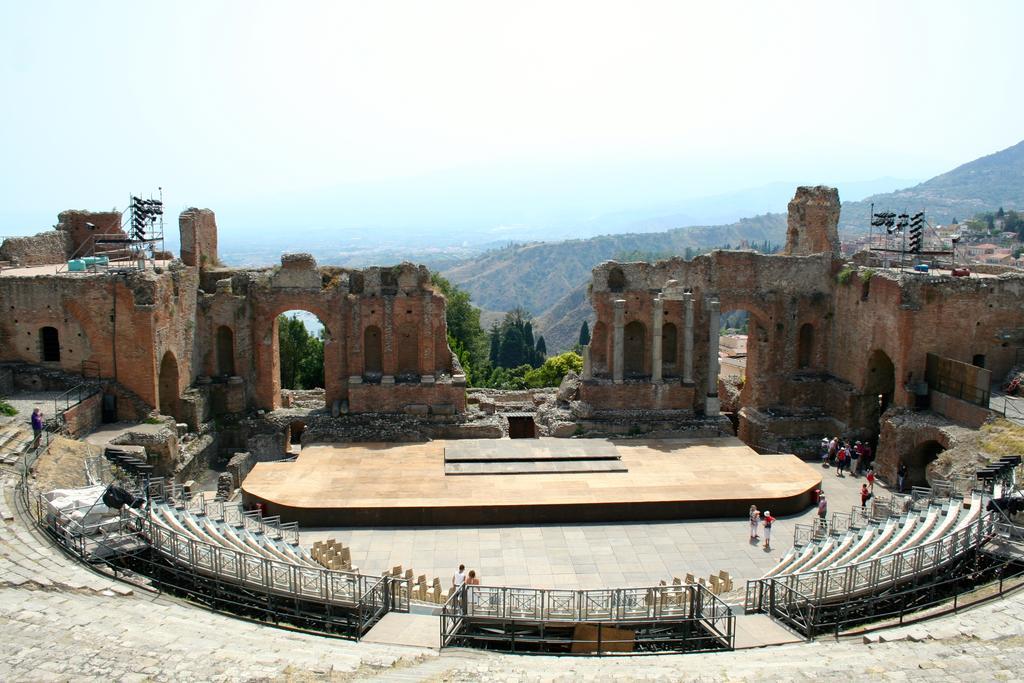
x: 378, y: 484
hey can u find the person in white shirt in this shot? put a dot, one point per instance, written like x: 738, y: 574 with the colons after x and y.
x: 459, y: 577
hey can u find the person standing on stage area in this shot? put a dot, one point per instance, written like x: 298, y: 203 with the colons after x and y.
x: 755, y: 518
x: 768, y: 520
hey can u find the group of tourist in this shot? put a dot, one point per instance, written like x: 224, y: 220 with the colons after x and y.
x: 761, y: 522
x: 844, y: 457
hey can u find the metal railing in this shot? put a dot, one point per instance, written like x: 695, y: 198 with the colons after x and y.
x: 846, y: 582
x: 965, y: 392
x: 73, y: 397
x: 701, y: 620
x: 223, y: 578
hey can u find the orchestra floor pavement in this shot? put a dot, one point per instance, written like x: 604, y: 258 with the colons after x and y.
x: 583, y: 555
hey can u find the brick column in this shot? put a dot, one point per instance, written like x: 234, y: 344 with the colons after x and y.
x: 588, y: 370
x: 688, y: 340
x: 618, y: 341
x: 711, y: 402
x: 659, y: 315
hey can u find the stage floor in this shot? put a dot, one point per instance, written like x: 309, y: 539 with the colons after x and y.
x: 378, y: 484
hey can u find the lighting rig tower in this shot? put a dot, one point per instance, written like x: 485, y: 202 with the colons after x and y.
x: 904, y: 235
x: 145, y: 227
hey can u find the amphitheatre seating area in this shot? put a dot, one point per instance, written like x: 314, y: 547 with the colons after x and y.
x: 229, y: 527
x: 13, y: 443
x: 213, y: 549
x: 870, y: 554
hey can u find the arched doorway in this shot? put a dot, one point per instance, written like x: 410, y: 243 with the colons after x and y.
x: 633, y: 349
x: 168, y: 385
x: 225, y: 351
x: 742, y: 342
x: 372, y: 351
x: 917, y: 462
x: 881, y: 379
x: 300, y: 336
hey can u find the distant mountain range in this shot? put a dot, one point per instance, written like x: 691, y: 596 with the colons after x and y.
x: 984, y: 184
x: 549, y: 279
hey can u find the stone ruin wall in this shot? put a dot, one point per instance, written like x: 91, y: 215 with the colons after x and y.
x: 73, y: 229
x: 198, y: 230
x: 781, y: 293
x: 123, y: 324
x: 133, y: 325
x: 797, y: 389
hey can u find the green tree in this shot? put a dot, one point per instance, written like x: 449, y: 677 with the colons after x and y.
x: 584, y: 334
x: 301, y: 355
x: 495, y: 337
x: 542, y: 347
x: 553, y: 370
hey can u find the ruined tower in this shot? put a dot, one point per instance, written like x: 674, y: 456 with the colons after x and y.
x: 813, y: 224
x: 198, y: 237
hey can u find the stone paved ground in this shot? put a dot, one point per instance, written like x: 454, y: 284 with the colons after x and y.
x: 583, y: 555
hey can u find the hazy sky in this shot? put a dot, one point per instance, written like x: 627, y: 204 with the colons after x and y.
x: 246, y: 106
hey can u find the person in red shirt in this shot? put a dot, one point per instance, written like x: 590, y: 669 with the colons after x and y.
x: 766, y: 524
x: 871, y: 480
x: 864, y: 495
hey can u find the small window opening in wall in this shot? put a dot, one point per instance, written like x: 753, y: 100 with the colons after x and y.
x: 979, y: 360
x: 50, y: 340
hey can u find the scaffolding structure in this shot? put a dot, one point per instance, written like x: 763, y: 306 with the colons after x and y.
x: 904, y: 236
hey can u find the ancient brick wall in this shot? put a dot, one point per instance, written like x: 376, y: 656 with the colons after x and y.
x: 421, y: 399
x: 637, y: 395
x: 83, y: 417
x: 198, y: 229
x: 813, y: 222
x: 123, y: 324
x: 82, y: 226
x: 44, y: 248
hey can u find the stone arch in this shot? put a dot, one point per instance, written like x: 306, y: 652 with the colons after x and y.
x: 49, y: 344
x: 168, y: 384
x: 917, y: 461
x: 805, y: 346
x: 669, y: 347
x: 407, y: 350
x: 373, y: 355
x: 758, y: 353
x: 633, y: 345
x: 880, y: 378
x: 616, y: 279
x: 225, y: 343
x: 599, y: 347
x: 267, y: 326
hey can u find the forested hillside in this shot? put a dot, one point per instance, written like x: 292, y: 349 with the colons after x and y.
x: 535, y: 276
